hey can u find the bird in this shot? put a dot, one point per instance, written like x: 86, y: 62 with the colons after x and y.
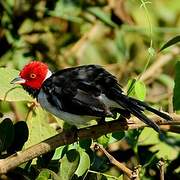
x: 83, y: 93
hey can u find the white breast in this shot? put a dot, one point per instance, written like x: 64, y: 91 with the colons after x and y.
x: 71, y: 119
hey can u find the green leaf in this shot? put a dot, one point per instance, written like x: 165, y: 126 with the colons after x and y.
x: 26, y: 27
x: 110, y: 138
x: 47, y: 174
x: 6, y: 134
x: 165, y: 151
x: 20, y: 137
x: 104, y: 17
x: 85, y: 143
x: 150, y: 137
x: 116, y: 136
x: 39, y: 128
x: 104, y: 140
x: 84, y: 164
x: 59, y: 152
x: 44, y: 175
x: 68, y: 10
x: 121, y: 44
x: 8, y: 91
x: 69, y: 164
x: 176, y: 94
x: 130, y: 85
x: 132, y: 137
x: 136, y: 88
x: 171, y: 42
x: 140, y: 90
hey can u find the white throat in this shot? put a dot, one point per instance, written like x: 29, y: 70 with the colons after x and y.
x: 49, y: 73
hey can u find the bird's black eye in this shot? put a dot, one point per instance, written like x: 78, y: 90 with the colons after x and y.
x: 32, y: 75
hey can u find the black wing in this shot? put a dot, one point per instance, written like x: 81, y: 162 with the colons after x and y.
x: 78, y: 89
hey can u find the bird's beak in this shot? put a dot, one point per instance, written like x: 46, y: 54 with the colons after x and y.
x: 18, y: 80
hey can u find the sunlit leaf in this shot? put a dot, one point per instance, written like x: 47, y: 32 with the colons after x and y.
x: 39, y: 128
x: 69, y: 164
x: 140, y: 90
x: 26, y: 26
x: 104, y: 140
x: 130, y: 86
x: 8, y: 91
x: 165, y: 151
x: 150, y: 137
x: 46, y: 174
x: 137, y: 89
x: 59, y: 152
x: 84, y: 164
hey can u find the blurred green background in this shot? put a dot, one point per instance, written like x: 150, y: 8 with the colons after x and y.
x: 122, y: 36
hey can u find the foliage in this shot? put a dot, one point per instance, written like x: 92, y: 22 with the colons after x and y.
x: 124, y: 37
x: 12, y: 137
x: 8, y: 91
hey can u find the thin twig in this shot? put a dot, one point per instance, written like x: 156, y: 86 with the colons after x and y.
x: 68, y: 137
x: 136, y: 172
x: 161, y: 166
x: 170, y: 128
x: 113, y: 161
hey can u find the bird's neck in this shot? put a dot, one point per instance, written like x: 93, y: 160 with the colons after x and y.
x: 49, y: 73
x: 33, y: 92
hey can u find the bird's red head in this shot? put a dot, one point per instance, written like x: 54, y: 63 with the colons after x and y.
x: 32, y: 75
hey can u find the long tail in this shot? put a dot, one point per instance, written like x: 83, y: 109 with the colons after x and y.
x: 136, y: 107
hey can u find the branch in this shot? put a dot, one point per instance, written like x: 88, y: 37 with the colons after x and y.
x: 161, y: 166
x: 113, y: 161
x: 68, y: 137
